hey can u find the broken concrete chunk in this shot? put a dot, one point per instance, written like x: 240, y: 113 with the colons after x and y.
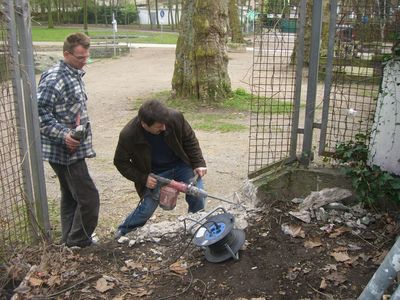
x: 303, y: 215
x: 323, y: 197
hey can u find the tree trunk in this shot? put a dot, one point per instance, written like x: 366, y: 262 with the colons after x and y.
x: 148, y: 9
x: 177, y: 18
x: 95, y: 12
x: 105, y: 12
x: 234, y: 23
x: 201, y: 65
x: 85, y: 17
x: 170, y: 15
x: 157, y: 20
x: 49, y: 15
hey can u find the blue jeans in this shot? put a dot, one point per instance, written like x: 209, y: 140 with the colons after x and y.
x: 149, y: 203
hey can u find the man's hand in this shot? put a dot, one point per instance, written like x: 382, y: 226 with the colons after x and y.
x: 201, y: 171
x: 71, y: 143
x: 151, y: 182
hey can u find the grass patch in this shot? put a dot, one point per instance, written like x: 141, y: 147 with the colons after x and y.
x: 54, y: 216
x: 226, y: 116
x: 241, y: 101
x: 221, y: 122
x: 43, y: 34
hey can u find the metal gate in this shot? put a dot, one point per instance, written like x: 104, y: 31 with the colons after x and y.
x: 317, y: 68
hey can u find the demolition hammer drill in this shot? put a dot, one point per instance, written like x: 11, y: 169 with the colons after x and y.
x: 189, y: 189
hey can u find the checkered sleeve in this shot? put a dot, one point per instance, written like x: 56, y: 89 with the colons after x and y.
x: 49, y: 126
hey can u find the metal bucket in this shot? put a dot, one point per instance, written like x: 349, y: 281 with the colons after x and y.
x: 168, y: 197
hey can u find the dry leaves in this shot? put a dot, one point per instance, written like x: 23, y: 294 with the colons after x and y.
x: 340, y: 256
x: 103, y: 285
x: 339, y: 231
x: 179, y: 267
x: 293, y: 230
x: 313, y: 243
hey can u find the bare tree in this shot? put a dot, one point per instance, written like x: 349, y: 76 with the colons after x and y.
x: 201, y: 59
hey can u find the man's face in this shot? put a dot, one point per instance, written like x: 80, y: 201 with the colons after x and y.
x: 77, y: 58
x: 156, y: 128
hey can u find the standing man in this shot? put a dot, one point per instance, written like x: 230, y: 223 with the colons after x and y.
x: 62, y: 105
x: 158, y: 140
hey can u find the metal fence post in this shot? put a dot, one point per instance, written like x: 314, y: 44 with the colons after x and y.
x: 299, y: 78
x: 27, y: 72
x: 312, y: 82
x: 328, y: 76
x: 384, y: 276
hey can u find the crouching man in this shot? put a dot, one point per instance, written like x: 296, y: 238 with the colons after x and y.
x: 158, y: 140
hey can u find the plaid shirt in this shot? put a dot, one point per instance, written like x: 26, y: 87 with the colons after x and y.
x: 61, y: 100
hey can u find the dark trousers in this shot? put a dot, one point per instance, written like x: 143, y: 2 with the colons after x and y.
x: 80, y: 203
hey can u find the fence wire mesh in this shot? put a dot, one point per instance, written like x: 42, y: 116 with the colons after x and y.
x: 365, y: 34
x: 14, y: 228
x: 273, y: 85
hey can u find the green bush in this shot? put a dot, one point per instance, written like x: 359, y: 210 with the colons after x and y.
x: 371, y: 184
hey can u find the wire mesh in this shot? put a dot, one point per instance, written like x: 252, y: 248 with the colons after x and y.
x: 14, y: 225
x: 365, y: 33
x: 273, y: 85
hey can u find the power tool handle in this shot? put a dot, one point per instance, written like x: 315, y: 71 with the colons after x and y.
x: 160, y: 179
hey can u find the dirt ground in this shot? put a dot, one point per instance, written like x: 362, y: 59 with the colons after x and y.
x: 271, y: 265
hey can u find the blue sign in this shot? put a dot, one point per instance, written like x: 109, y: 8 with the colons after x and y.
x: 162, y: 13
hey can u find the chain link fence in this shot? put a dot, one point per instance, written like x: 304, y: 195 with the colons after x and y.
x: 317, y: 69
x: 14, y: 225
x: 23, y: 204
x: 365, y: 34
x: 273, y: 86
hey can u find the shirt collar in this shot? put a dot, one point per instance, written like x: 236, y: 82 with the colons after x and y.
x: 72, y: 70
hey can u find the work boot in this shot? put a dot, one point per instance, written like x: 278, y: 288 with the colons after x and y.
x: 118, y: 234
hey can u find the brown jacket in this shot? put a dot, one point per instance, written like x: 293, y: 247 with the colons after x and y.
x: 133, y: 154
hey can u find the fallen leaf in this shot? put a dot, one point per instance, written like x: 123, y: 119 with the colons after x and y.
x: 379, y: 257
x: 133, y: 264
x: 33, y: 281
x: 330, y: 267
x: 339, y: 231
x: 364, y: 257
x: 340, y: 256
x: 316, y: 242
x: 102, y: 285
x: 53, y: 280
x: 293, y: 230
x: 323, y: 285
x: 336, y: 278
x: 141, y: 292
x: 340, y: 249
x: 179, y: 268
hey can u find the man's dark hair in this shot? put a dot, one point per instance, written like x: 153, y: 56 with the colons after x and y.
x: 153, y: 111
x: 76, y: 39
